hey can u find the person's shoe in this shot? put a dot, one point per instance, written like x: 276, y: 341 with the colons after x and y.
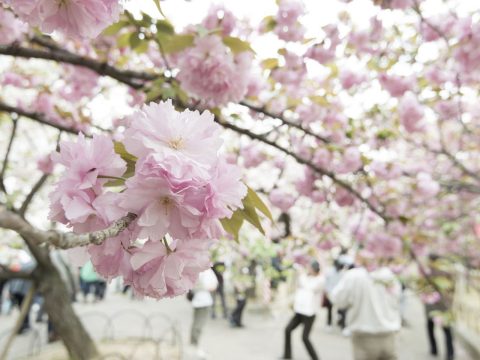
x: 346, y: 332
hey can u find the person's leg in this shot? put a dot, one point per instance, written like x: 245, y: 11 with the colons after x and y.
x: 294, y: 322
x: 431, y: 336
x: 224, y: 303
x: 18, y: 299
x: 200, y: 316
x: 103, y: 289
x: 342, y: 314
x: 387, y: 344
x: 214, y: 306
x: 235, y: 317
x: 449, y: 342
x: 367, y: 346
x: 329, y: 312
x: 242, y: 304
x: 307, y: 327
x: 2, y: 285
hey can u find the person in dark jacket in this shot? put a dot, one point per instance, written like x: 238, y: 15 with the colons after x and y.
x: 218, y: 269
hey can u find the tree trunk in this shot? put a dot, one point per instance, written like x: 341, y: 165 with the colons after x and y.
x: 58, y: 306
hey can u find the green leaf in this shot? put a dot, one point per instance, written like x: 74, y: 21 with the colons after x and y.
x: 115, y: 28
x: 164, y: 26
x: 258, y: 203
x: 270, y: 63
x: 181, y: 94
x: 142, y: 47
x: 233, y: 225
x: 154, y: 94
x: 134, y: 40
x: 320, y: 100
x: 270, y: 23
x: 250, y: 214
x: 443, y: 282
x: 157, y: 3
x: 130, y: 159
x: 123, y: 40
x: 237, y: 45
x: 175, y: 43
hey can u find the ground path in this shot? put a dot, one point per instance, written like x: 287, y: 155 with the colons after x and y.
x: 261, y: 339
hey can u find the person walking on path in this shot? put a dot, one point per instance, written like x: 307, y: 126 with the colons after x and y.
x: 202, y: 302
x: 372, y: 300
x: 331, y: 280
x: 219, y: 268
x: 436, y: 306
x: 306, y: 305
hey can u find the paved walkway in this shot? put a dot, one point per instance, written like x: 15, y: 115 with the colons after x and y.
x: 261, y: 339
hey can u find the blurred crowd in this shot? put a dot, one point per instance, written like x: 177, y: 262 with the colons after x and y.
x: 366, y: 302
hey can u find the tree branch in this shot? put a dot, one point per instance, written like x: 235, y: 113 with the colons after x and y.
x: 7, y: 154
x: 39, y: 117
x: 13, y: 221
x: 133, y: 79
x: 284, y: 121
x: 38, y: 185
x: 308, y: 163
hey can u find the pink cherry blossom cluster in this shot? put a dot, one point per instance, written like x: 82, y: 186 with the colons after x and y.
x: 11, y: 28
x: 288, y: 27
x: 79, y: 19
x: 411, y: 113
x: 384, y: 245
x: 212, y: 73
x: 180, y: 189
x: 281, y: 199
x: 220, y: 18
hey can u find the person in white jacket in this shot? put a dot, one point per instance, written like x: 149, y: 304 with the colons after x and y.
x: 372, y: 299
x: 306, y: 305
x: 202, y: 302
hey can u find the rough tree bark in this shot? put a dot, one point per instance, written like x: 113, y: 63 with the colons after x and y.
x: 58, y: 306
x: 78, y: 342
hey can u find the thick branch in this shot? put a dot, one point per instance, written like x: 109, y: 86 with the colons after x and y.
x: 13, y: 221
x: 7, y: 154
x: 284, y: 121
x: 37, y: 117
x: 70, y: 240
x: 133, y: 79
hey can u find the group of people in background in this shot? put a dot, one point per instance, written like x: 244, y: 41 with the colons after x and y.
x: 365, y: 301
x: 368, y: 306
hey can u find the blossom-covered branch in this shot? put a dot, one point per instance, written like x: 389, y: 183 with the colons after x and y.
x: 301, y: 160
x: 284, y: 121
x: 131, y: 78
x: 38, y: 117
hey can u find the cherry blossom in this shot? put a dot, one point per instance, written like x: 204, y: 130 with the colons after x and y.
x: 211, y: 73
x: 11, y: 28
x: 75, y: 18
